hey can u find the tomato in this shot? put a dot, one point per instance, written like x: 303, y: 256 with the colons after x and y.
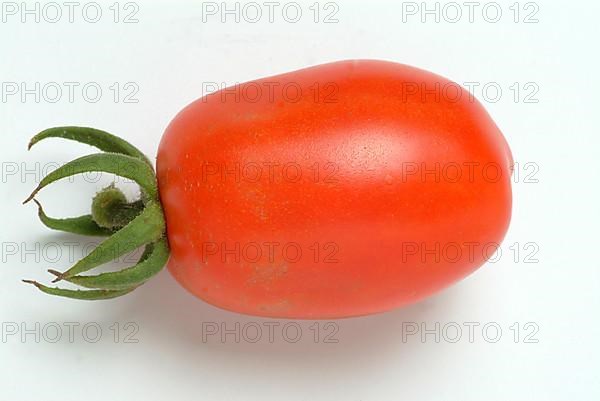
x: 338, y: 190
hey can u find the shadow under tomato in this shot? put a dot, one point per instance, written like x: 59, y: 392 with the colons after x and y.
x: 176, y: 322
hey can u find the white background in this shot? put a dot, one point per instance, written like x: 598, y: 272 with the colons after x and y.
x: 169, y: 55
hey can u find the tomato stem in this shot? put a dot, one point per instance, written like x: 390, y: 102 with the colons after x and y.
x: 111, y: 210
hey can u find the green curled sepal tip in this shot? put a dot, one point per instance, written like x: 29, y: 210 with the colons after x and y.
x: 82, y: 225
x: 149, y: 265
x: 87, y: 295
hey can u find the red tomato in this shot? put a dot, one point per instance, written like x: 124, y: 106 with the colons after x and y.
x: 338, y: 190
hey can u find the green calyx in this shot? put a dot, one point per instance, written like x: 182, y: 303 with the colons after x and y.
x: 127, y: 225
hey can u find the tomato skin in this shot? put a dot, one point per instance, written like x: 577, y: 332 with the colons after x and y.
x: 371, y: 232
